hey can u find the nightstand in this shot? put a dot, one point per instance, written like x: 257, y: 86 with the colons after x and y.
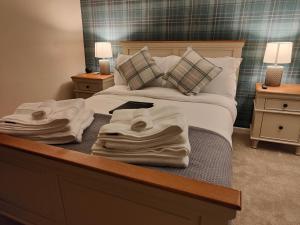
x: 88, y: 84
x: 276, y: 115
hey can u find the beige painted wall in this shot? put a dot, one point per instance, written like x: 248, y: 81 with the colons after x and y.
x: 41, y: 46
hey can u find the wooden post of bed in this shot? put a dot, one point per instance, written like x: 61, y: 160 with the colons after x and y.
x: 46, y: 185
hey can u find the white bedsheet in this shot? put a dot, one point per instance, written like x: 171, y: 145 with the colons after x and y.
x: 209, y: 111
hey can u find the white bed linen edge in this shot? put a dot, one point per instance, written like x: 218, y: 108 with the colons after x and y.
x: 208, y: 111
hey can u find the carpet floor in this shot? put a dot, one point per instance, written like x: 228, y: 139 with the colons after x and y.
x: 269, y: 178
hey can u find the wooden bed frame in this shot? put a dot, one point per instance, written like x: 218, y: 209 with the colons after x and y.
x: 47, y: 185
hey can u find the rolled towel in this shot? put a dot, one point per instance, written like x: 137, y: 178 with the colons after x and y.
x: 44, y: 110
x: 141, y: 120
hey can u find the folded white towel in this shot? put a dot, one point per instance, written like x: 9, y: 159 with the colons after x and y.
x: 126, y: 144
x: 141, y: 120
x: 21, y: 130
x: 166, y: 143
x: 176, y: 148
x: 166, y: 123
x: 62, y: 121
x: 76, y: 127
x: 60, y: 112
x: 181, y: 162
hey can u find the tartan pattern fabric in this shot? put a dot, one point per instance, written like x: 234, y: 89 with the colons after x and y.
x: 139, y: 70
x: 255, y: 21
x: 192, y: 73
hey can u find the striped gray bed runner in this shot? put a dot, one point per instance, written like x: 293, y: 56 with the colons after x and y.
x: 210, y: 158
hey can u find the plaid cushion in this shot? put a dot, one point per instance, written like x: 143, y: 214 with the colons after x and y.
x: 191, y: 73
x: 139, y: 70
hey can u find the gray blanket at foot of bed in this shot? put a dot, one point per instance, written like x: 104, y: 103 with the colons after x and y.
x: 210, y: 158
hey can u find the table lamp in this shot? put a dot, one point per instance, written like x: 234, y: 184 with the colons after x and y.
x: 276, y: 53
x: 103, y: 51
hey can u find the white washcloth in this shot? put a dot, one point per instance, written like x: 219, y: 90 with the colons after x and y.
x: 166, y: 143
x: 141, y: 120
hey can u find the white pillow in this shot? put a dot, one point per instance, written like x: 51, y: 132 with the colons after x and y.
x: 118, y: 79
x: 164, y: 63
x: 225, y: 83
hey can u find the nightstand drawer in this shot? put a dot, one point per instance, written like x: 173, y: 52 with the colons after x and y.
x: 280, y: 127
x: 88, y: 86
x: 109, y: 82
x: 282, y: 105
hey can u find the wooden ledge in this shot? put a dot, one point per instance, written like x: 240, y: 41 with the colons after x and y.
x: 211, y: 193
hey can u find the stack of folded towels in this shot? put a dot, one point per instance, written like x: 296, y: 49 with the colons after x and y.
x: 155, y: 136
x: 50, y: 122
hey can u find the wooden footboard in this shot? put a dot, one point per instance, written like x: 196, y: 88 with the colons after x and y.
x: 43, y: 185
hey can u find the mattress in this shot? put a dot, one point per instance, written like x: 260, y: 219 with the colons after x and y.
x: 210, y: 158
x: 212, y: 112
x: 210, y: 118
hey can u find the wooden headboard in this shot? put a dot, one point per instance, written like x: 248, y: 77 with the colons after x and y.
x: 204, y: 48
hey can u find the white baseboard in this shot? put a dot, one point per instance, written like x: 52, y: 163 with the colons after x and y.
x: 241, y: 130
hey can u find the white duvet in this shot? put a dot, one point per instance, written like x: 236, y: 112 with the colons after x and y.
x: 209, y: 111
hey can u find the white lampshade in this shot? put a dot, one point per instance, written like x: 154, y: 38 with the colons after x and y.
x: 103, y: 50
x: 278, y: 52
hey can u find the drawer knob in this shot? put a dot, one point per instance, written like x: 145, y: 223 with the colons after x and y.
x: 285, y: 105
x: 280, y: 127
x: 87, y: 86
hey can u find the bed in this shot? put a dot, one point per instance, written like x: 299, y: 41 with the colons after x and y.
x: 42, y: 184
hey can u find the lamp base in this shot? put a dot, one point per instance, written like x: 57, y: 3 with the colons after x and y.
x: 273, y: 76
x: 104, y: 66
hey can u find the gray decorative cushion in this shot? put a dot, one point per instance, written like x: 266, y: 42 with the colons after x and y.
x: 139, y: 70
x: 191, y: 73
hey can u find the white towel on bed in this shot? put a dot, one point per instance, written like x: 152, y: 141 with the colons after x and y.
x: 167, y: 139
x: 177, y: 152
x: 181, y: 162
x: 167, y: 121
x: 62, y: 122
x: 59, y: 113
x: 74, y: 134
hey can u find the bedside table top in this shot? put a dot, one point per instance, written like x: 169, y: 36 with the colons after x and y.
x: 93, y: 76
x: 288, y: 89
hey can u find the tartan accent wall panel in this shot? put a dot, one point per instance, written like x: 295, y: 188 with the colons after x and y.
x: 255, y: 21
